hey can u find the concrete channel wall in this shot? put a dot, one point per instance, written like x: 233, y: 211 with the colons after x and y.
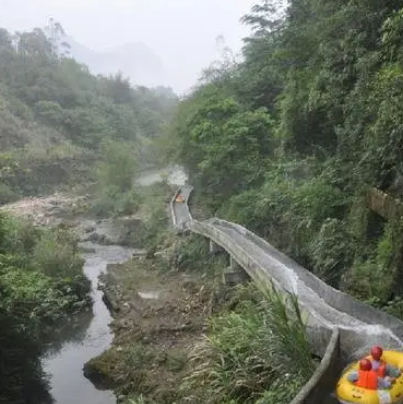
x: 325, y: 375
x: 339, y: 300
x: 331, y: 343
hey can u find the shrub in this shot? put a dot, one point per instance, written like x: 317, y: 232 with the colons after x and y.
x: 128, y: 203
x: 332, y: 251
x: 193, y: 254
x: 7, y: 194
x: 115, y: 175
x: 155, y: 227
x: 118, y: 166
x: 113, y: 202
x: 48, y: 256
x: 56, y: 255
x: 31, y: 296
x: 249, y: 351
x: 138, y: 400
x: 18, y: 237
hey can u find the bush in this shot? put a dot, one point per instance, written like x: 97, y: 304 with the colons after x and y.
x: 50, y: 253
x: 31, y: 297
x: 332, y: 251
x: 55, y: 254
x: 118, y: 166
x: 128, y: 203
x: 115, y: 174
x: 138, y: 400
x: 7, y: 194
x: 375, y: 277
x: 18, y: 237
x: 249, y: 351
x: 112, y: 202
x: 193, y: 254
x: 368, y: 280
x: 289, y: 208
x: 155, y: 227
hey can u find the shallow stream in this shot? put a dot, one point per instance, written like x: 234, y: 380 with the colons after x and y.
x: 89, y: 334
x: 64, y: 362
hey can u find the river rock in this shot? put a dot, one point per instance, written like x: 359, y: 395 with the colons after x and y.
x: 98, y: 238
x: 97, y: 373
x: 110, y: 301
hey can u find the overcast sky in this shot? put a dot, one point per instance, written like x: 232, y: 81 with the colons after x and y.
x: 182, y: 31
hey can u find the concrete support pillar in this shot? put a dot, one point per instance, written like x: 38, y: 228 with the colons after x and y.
x: 235, y: 274
x: 215, y: 248
x: 234, y: 265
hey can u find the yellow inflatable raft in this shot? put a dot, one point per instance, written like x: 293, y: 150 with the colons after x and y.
x: 348, y: 393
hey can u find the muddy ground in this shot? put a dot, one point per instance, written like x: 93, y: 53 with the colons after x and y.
x: 159, y: 315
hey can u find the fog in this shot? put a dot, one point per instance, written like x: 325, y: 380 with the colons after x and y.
x: 181, y: 33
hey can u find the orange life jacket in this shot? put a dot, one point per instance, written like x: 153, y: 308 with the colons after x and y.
x: 382, y: 369
x: 367, y: 379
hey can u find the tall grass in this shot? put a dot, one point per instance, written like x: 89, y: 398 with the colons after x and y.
x: 138, y: 400
x: 259, y: 347
x: 285, y: 333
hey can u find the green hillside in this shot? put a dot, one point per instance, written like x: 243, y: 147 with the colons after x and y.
x: 55, y: 115
x: 289, y: 141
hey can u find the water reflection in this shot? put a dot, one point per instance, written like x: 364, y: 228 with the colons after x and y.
x: 84, y: 339
x: 71, y: 331
x: 331, y: 399
x: 21, y: 377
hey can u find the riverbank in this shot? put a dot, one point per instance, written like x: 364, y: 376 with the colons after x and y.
x: 160, y: 310
x: 182, y: 336
x: 87, y: 334
x: 42, y: 288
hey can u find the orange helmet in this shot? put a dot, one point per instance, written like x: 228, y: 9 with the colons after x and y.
x: 365, y: 364
x: 376, y: 352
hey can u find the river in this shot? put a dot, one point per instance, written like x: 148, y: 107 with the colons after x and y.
x: 65, y: 363
x: 89, y: 335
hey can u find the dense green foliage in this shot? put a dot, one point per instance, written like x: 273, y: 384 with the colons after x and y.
x: 55, y: 115
x: 289, y: 141
x: 41, y: 281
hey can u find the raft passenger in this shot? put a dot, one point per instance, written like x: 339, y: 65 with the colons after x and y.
x: 367, y: 377
x: 379, y: 365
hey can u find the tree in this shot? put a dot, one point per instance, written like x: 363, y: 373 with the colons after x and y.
x: 319, y: 89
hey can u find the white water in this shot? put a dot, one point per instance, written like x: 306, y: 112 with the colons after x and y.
x: 174, y: 175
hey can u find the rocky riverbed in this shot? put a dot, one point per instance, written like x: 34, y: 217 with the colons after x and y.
x: 71, y: 211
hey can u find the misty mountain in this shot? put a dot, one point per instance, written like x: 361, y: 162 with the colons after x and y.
x: 134, y: 60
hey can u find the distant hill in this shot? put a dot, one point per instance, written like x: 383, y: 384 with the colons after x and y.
x: 134, y: 60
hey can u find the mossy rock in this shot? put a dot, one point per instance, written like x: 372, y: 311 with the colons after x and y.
x: 100, y: 371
